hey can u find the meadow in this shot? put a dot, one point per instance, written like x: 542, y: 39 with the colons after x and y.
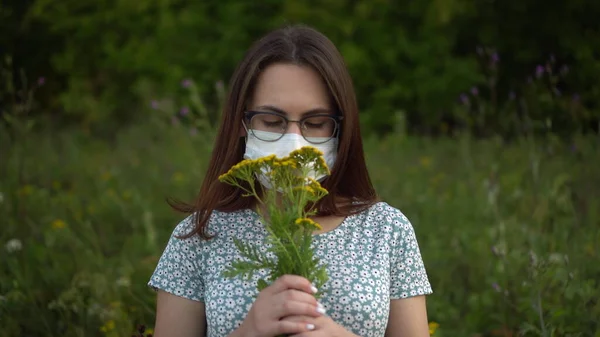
x: 509, y: 232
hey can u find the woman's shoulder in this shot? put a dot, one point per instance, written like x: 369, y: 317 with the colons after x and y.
x: 382, y: 214
x: 218, y: 221
x: 382, y: 210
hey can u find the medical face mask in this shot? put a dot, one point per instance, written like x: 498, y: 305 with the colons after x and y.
x: 256, y: 148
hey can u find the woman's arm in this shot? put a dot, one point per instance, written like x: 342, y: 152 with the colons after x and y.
x: 408, y: 318
x: 179, y: 317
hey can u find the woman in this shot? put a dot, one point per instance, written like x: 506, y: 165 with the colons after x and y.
x: 293, y: 89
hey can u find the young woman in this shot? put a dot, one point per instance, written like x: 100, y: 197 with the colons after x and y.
x: 293, y: 89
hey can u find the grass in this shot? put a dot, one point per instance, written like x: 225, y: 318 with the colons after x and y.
x: 509, y: 233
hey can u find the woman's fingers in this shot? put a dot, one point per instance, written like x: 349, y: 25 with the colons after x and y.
x: 286, y: 282
x: 306, y: 307
x: 294, y: 327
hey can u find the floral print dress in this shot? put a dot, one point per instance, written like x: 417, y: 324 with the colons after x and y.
x: 372, y: 257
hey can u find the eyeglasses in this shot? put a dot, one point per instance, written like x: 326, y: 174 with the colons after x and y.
x: 316, y: 129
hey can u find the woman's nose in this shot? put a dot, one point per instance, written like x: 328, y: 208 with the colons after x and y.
x: 294, y: 127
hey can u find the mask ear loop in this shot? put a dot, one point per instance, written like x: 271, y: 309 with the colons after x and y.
x: 247, y: 132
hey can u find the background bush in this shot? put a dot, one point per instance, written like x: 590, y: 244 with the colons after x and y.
x: 102, y: 60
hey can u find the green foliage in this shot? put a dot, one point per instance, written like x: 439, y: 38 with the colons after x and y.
x: 507, y: 231
x: 105, y: 59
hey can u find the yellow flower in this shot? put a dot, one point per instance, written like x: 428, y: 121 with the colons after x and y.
x: 106, y: 176
x: 58, y: 224
x: 425, y: 161
x: 308, y: 223
x: 108, y: 326
x: 26, y: 190
x: 56, y: 185
x: 433, y: 326
x: 149, y: 331
x: 316, y: 187
x: 91, y: 209
x: 437, y: 178
x: 178, y: 177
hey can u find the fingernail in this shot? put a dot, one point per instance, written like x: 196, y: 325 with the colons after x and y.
x: 321, y: 310
x: 314, y: 289
x: 310, y: 326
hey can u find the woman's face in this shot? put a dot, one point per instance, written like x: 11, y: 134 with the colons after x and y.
x: 293, y: 91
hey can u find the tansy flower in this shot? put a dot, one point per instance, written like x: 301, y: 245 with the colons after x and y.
x: 58, y: 224
x: 433, y: 326
x: 307, y: 223
x: 108, y: 326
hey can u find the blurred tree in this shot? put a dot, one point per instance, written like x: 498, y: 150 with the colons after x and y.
x: 107, y: 59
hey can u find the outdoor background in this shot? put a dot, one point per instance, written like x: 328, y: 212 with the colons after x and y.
x: 480, y: 118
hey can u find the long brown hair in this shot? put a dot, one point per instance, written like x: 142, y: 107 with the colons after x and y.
x: 349, y: 185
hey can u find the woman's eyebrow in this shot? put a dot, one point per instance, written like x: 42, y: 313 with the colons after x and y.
x: 283, y: 112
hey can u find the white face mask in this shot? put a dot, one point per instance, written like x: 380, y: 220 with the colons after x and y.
x: 256, y: 148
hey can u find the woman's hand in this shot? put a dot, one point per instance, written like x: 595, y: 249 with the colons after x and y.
x: 288, y: 296
x: 324, y: 327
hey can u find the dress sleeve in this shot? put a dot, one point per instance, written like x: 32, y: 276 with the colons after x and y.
x: 179, y: 269
x: 408, y: 276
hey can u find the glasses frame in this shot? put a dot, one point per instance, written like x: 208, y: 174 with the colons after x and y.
x: 248, y: 115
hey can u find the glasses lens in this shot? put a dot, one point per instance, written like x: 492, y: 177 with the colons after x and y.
x: 319, y: 128
x: 268, y: 127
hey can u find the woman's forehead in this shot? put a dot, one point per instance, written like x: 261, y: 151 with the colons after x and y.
x: 291, y: 88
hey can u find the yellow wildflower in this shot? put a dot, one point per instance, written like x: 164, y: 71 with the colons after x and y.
x: 307, y: 223
x: 433, y: 326
x: 26, y: 190
x: 108, y: 326
x: 58, y: 224
x: 91, y: 209
x: 106, y: 176
x: 178, y: 177
x: 316, y: 187
x: 425, y: 161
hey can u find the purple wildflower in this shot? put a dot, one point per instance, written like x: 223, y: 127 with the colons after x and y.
x: 496, y: 287
x: 539, y: 71
x: 186, y: 83
x: 174, y: 120
x: 154, y: 104
x: 464, y: 99
x: 474, y: 91
x: 495, y: 58
x: 184, y: 111
x: 41, y: 81
x: 193, y: 132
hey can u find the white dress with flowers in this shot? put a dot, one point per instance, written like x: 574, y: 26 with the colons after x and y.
x: 372, y: 258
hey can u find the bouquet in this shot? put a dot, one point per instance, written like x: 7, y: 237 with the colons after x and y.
x: 285, y: 208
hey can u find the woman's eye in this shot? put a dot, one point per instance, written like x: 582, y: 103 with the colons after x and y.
x: 314, y: 125
x: 273, y: 123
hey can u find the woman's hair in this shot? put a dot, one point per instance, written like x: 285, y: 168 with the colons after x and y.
x: 349, y: 185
